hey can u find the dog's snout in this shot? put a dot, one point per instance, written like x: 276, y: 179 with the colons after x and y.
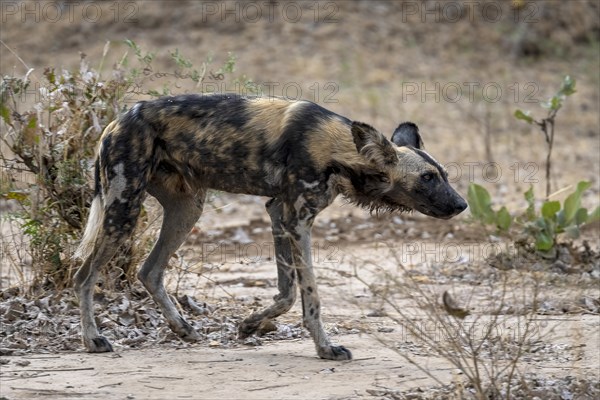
x: 460, y: 206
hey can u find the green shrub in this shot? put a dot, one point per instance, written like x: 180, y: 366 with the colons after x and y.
x: 546, y: 124
x: 480, y: 205
x: 554, y: 219
x: 541, y: 227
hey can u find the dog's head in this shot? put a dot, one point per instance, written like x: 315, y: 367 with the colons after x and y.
x: 400, y: 175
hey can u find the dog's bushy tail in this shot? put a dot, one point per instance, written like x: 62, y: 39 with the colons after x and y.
x: 95, y: 219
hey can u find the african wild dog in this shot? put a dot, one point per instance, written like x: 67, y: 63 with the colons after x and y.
x: 297, y: 153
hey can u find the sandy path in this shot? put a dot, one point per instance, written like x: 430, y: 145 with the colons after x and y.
x: 274, y: 371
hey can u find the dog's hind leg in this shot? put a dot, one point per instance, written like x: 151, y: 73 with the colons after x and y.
x: 113, y: 228
x: 286, y: 276
x: 181, y: 211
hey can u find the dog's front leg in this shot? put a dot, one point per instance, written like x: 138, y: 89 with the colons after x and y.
x: 311, y: 305
x: 286, y: 279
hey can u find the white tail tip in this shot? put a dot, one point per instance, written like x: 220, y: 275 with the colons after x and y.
x: 94, y: 224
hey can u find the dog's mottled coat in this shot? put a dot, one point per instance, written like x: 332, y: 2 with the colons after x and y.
x: 297, y: 153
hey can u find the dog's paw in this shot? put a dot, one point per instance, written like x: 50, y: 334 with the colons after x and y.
x: 339, y: 353
x: 247, y: 329
x: 185, y: 331
x: 98, y: 344
x: 192, y: 336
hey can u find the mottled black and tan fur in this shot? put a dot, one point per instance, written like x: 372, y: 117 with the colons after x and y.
x: 297, y: 153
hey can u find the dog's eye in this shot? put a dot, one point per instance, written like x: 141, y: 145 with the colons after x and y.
x: 427, y: 177
x: 384, y: 179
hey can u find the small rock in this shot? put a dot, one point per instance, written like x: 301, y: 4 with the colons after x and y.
x: 561, y: 266
x: 366, y: 225
x: 377, y: 313
x: 564, y: 255
x: 566, y: 395
x: 327, y: 370
x: 586, y: 277
x: 253, y: 341
x: 590, y: 304
x: 537, y: 267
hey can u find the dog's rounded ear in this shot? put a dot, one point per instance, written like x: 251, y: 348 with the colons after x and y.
x: 372, y: 144
x: 363, y: 134
x: 407, y: 134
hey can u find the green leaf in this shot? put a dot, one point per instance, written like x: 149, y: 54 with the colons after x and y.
x: 594, y: 216
x: 567, y: 87
x: 195, y: 76
x: 50, y: 75
x: 480, y: 203
x: 544, y: 241
x: 503, y: 219
x: 572, y: 231
x: 134, y: 46
x: 5, y: 113
x: 550, y: 208
x: 555, y: 102
x: 29, y: 134
x: 180, y: 60
x: 154, y: 93
x: 560, y: 218
x: 530, y: 198
x: 523, y: 116
x: 581, y: 217
x: 229, y: 65
x: 18, y: 196
x: 573, y: 202
x: 541, y: 224
x: 148, y: 57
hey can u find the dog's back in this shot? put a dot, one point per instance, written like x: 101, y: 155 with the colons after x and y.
x: 225, y: 142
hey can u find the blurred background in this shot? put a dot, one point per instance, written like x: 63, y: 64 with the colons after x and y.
x: 457, y: 69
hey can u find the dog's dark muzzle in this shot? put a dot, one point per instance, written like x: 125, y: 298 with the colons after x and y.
x: 444, y: 207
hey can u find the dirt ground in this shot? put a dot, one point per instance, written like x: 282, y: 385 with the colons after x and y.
x: 234, y: 275
x: 382, y: 58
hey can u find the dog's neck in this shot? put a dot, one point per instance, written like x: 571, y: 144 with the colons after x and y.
x: 366, y: 193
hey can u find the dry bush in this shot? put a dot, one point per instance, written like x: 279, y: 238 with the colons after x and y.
x: 50, y: 126
x: 485, y: 332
